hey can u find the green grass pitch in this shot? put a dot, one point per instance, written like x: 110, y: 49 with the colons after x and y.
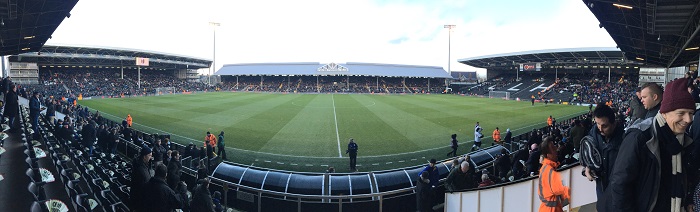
x: 303, y: 132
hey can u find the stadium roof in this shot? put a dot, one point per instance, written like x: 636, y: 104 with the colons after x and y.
x: 570, y: 56
x: 25, y: 25
x: 658, y: 33
x: 108, y: 56
x: 345, y: 69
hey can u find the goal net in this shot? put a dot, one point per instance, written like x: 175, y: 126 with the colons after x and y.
x: 165, y: 91
x: 499, y: 94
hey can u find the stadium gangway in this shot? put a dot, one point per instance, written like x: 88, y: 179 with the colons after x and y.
x: 521, y: 195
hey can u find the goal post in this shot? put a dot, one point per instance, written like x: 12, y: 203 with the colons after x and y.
x: 164, y: 91
x: 499, y: 94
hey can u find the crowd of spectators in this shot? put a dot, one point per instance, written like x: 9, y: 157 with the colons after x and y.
x: 331, y: 84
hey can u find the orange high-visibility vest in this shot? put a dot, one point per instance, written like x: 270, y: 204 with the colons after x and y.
x: 211, y: 139
x: 549, y: 121
x: 128, y: 120
x: 552, y: 192
x: 496, y: 136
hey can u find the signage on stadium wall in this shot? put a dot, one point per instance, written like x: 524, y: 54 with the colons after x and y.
x: 332, y: 67
x: 530, y: 67
x: 141, y: 61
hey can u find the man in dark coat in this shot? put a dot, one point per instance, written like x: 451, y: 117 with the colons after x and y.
x: 221, y: 146
x: 509, y: 136
x: 608, y: 135
x: 34, y: 110
x: 89, y: 134
x: 352, y: 151
x: 578, y: 131
x: 158, y: 152
x: 174, y: 169
x: 158, y: 196
x: 424, y: 193
x: 11, y: 106
x: 140, y: 175
x: 201, y: 199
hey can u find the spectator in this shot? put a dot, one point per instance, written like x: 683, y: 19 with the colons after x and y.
x: 533, y: 161
x: 509, y: 136
x: 158, y: 152
x: 648, y: 172
x: 607, y: 138
x: 221, y: 146
x: 202, y: 201
x: 174, y: 169
x: 518, y: 167
x: 202, y: 171
x: 458, y: 178
x: 181, y: 191
x: 11, y: 110
x: 652, y: 95
x: 50, y: 111
x: 34, y: 110
x: 140, y: 175
x: 113, y: 139
x: 89, y: 133
x: 158, y: 196
x: 553, y: 194
x: 424, y: 193
x: 485, y: 181
x: 637, y: 110
x: 577, y: 133
x: 217, y: 202
x: 454, y: 145
x: 352, y: 151
x: 503, y: 165
x: 431, y: 168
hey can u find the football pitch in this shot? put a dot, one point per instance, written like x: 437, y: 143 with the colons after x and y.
x: 309, y: 132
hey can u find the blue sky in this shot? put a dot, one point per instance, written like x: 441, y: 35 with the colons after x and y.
x: 387, y: 31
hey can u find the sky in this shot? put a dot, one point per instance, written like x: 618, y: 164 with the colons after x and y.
x: 374, y: 31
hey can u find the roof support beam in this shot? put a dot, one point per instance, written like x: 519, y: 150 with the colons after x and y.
x: 688, y: 40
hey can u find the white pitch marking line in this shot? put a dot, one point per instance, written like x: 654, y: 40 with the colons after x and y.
x: 337, y: 135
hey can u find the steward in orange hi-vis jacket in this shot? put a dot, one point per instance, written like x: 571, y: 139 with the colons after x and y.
x: 549, y: 121
x: 211, y: 139
x: 552, y: 192
x: 129, y: 121
x: 496, y: 136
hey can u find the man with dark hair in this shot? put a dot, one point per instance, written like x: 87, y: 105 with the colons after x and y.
x: 160, y: 197
x: 140, y: 175
x: 578, y: 131
x: 89, y: 133
x: 221, y: 146
x: 11, y: 106
x: 454, y: 145
x: 174, y: 169
x: 201, y: 199
x: 477, y: 137
x: 649, y: 174
x: 34, y: 110
x: 607, y: 135
x: 424, y: 197
x: 651, y: 95
x: 352, y: 151
x: 503, y: 164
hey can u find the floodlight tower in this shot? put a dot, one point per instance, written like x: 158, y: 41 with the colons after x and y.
x: 449, y: 28
x: 213, y: 62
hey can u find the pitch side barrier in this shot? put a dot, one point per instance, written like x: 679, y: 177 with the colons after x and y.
x: 521, y: 195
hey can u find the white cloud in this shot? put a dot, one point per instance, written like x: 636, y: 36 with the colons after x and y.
x: 338, y: 31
